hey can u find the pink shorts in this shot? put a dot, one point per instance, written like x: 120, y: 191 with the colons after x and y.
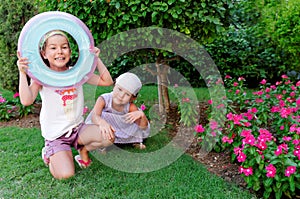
x: 64, y: 143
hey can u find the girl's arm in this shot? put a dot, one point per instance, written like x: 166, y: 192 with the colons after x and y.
x: 137, y: 116
x: 104, y: 79
x: 27, y: 93
x: 104, y: 126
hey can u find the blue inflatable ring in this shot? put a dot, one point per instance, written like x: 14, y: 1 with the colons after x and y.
x: 28, y: 45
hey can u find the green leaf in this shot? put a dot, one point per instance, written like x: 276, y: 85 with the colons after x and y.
x: 256, y: 185
x: 278, y: 184
x: 109, y: 21
x: 267, y: 194
x: 171, y: 1
x: 133, y: 8
x: 187, y: 31
x: 268, y: 182
x: 289, y: 162
x: 278, y: 194
x: 117, y: 5
x: 174, y: 15
x: 125, y: 17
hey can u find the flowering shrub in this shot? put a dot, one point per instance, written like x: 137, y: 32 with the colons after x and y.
x: 13, y: 108
x: 263, y: 132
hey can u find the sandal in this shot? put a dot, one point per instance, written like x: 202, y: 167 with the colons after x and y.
x: 45, y: 159
x: 82, y: 163
x: 139, y: 146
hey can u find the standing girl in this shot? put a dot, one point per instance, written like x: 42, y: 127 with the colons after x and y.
x: 61, y: 119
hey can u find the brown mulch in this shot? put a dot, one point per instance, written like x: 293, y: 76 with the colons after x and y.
x: 217, y: 163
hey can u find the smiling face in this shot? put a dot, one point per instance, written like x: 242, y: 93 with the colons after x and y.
x: 57, y: 51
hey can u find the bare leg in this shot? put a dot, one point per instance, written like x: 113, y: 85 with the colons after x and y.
x: 92, y: 139
x: 62, y: 165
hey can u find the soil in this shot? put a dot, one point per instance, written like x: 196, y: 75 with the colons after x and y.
x: 217, y: 163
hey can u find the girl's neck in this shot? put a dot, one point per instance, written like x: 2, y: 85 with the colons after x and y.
x: 118, y: 107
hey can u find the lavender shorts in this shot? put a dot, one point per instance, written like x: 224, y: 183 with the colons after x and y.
x: 64, y: 143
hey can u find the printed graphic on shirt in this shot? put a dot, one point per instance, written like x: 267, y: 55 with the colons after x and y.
x: 69, y: 100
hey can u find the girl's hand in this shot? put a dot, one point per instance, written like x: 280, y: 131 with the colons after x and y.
x: 22, y: 63
x: 133, y: 116
x: 106, y: 130
x: 96, y: 51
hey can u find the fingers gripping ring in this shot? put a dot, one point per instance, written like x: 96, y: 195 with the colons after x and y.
x: 28, y: 45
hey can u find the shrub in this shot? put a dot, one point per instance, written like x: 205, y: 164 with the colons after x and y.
x: 14, y: 15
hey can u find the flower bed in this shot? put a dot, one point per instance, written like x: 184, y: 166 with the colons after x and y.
x: 262, y: 131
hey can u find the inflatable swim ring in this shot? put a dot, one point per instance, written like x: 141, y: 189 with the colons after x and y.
x: 28, y: 45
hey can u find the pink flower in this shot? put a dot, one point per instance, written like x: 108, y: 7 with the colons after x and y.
x: 273, y: 87
x: 186, y: 99
x: 241, y: 79
x: 250, y: 139
x: 175, y: 85
x: 286, y: 138
x: 298, y: 102
x: 85, y: 110
x: 253, y: 110
x: 268, y: 90
x: 237, y: 119
x: 210, y: 102
x: 284, y: 77
x: 247, y: 124
x: 290, y: 170
x: 278, y: 151
x: 213, y: 133
x: 241, y: 157
x: 16, y: 95
x: 237, y: 150
x: 246, y: 132
x: 298, y: 83
x: 199, y: 128
x: 263, y: 81
x: 246, y: 171
x: 235, y: 84
x: 259, y: 100
x: 143, y: 107
x: 297, y: 153
x: 271, y: 171
x: 292, y: 94
x: 220, y: 106
x: 227, y: 139
x: 262, y: 146
x: 275, y: 109
x: 229, y: 116
x: 213, y: 124
x: 285, y: 112
x: 2, y: 99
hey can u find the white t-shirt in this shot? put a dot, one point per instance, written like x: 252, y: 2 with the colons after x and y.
x: 62, y: 110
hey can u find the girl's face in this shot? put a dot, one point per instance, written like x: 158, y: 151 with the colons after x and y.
x: 57, y: 52
x: 121, y: 96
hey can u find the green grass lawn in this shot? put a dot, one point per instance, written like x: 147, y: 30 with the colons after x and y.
x: 23, y: 175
